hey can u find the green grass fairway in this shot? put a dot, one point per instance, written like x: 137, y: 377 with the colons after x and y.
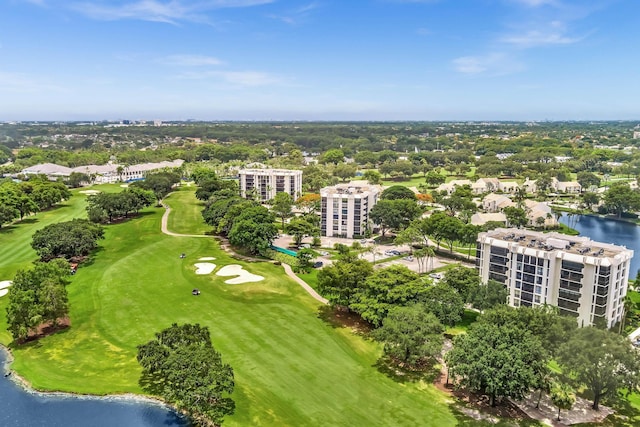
x: 189, y: 220
x: 292, y: 368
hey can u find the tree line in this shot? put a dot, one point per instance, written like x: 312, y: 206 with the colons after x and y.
x: 19, y: 199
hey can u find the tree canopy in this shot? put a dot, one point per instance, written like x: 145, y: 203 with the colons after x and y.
x: 38, y: 295
x: 183, y: 367
x: 69, y: 239
x: 497, y: 360
x: 411, y: 335
x: 602, y: 361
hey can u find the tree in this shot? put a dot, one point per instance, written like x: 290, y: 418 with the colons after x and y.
x: 26, y: 206
x: 445, y: 227
x: 588, y: 179
x: 601, y: 360
x: 434, y: 178
x: 497, y: 360
x: 304, y: 257
x: 395, y: 214
x: 516, y: 217
x: 386, y: 288
x: 254, y: 235
x: 69, y: 239
x: 563, y: 396
x: 488, y: 296
x: 344, y: 171
x: 410, y: 334
x: 38, y: 295
x: 334, y: 156
x: 397, y: 192
x: 183, y: 367
x: 444, y: 302
x: 281, y: 206
x: 298, y: 228
x: 590, y: 199
x: 210, y: 185
x: 76, y: 179
x: 7, y: 214
x: 621, y: 198
x: 161, y: 183
x: 374, y: 177
x: 340, y: 281
x: 309, y: 203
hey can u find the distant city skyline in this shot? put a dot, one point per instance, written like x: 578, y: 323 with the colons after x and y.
x: 493, y: 60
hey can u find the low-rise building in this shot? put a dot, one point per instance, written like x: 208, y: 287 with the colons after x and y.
x: 102, y: 174
x: 345, y: 208
x: 264, y: 184
x: 450, y: 186
x: 496, y: 202
x: 585, y: 279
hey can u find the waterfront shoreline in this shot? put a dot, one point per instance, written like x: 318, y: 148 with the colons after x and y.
x: 20, y: 381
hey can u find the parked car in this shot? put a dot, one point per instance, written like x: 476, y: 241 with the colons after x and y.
x: 437, y: 276
x: 318, y: 264
x: 323, y: 253
x: 305, y: 246
x: 408, y: 258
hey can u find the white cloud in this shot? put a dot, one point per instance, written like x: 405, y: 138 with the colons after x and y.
x: 493, y: 64
x: 190, y: 60
x: 535, y: 38
x: 171, y: 12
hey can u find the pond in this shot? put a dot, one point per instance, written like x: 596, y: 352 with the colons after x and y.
x: 608, y: 230
x: 20, y: 408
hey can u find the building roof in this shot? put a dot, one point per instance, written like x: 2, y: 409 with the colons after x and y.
x: 483, y: 218
x: 573, y: 248
x: 47, y: 169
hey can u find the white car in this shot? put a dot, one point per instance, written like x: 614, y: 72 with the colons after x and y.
x: 437, y: 276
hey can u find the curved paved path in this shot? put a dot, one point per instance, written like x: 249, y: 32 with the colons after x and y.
x: 226, y: 248
x: 309, y: 289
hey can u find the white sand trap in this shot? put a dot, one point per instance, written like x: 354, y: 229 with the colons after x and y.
x: 206, y: 258
x: 237, y: 270
x: 3, y: 292
x: 124, y: 185
x: 5, y: 284
x: 89, y: 192
x: 205, y: 268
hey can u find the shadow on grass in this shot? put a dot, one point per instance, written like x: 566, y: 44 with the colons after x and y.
x: 337, y: 318
x: 427, y: 372
x: 626, y: 415
x: 151, y: 383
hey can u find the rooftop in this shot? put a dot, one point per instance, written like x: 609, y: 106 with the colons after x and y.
x: 577, y: 245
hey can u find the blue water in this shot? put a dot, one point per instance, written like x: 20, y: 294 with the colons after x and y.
x: 19, y: 408
x: 608, y: 231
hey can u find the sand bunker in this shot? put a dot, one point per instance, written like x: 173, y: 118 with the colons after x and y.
x: 124, y: 185
x: 206, y: 258
x: 3, y: 287
x: 237, y: 270
x: 205, y: 268
x: 89, y: 192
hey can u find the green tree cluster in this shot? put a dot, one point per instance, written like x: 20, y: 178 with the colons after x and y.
x: 183, y: 367
x: 20, y: 199
x: 103, y: 207
x: 161, y: 183
x: 38, y: 296
x: 69, y: 239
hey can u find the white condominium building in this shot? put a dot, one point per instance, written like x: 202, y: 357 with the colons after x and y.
x: 265, y: 183
x: 345, y: 208
x: 584, y: 279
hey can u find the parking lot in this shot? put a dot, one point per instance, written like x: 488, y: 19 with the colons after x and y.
x: 381, y: 252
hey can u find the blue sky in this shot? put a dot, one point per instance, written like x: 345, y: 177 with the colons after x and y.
x: 320, y: 59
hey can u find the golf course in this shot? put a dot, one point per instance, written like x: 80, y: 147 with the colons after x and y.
x: 292, y: 368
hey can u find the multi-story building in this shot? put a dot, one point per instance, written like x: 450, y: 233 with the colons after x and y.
x: 265, y: 183
x: 584, y: 279
x: 345, y: 208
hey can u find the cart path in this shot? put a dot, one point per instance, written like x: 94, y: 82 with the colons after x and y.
x: 226, y: 247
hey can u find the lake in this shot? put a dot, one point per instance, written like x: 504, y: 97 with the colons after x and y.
x: 19, y: 408
x: 608, y: 231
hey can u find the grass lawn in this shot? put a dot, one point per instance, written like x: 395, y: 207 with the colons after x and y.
x: 468, y: 318
x: 311, y: 278
x: 291, y: 367
x: 189, y: 221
